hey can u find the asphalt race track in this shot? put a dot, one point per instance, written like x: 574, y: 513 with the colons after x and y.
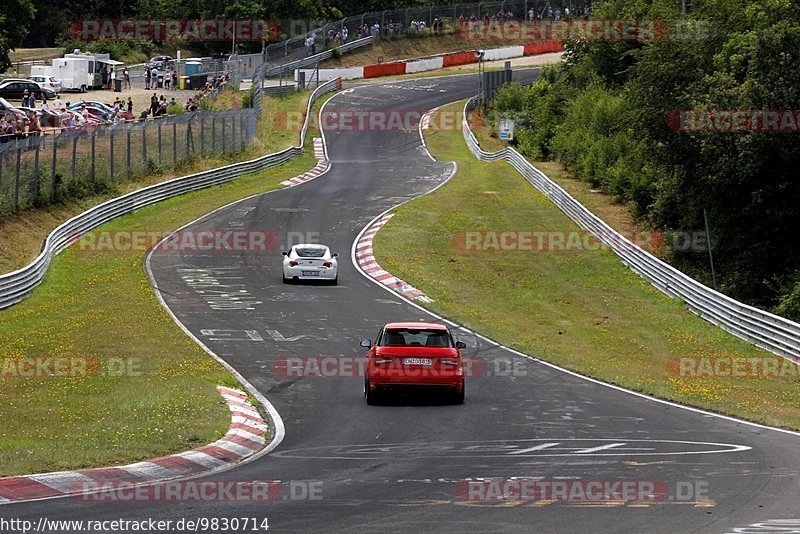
x: 402, y: 466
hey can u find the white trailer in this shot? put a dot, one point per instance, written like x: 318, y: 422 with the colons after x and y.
x: 78, y: 71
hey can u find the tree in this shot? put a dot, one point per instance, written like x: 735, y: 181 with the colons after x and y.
x: 15, y: 19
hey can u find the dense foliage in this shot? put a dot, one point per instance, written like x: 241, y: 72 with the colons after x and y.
x: 606, y: 114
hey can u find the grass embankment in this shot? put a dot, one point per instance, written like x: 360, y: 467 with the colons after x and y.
x: 582, y: 310
x: 22, y: 234
x: 99, y: 306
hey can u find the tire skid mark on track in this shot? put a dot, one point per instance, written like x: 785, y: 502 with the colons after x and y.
x: 246, y: 436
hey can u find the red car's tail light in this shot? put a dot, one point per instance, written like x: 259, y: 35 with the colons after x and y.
x: 383, y: 360
x: 327, y: 264
x: 292, y: 263
x: 449, y: 361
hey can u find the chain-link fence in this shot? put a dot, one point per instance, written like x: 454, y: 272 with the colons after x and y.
x: 39, y: 169
x: 398, y: 23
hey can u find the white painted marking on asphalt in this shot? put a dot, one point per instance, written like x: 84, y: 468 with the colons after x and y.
x: 536, y: 448
x: 223, y: 334
x: 600, y: 448
x: 277, y: 336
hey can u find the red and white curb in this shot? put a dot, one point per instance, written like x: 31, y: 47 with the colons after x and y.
x: 319, y: 168
x: 367, y: 262
x: 245, y: 437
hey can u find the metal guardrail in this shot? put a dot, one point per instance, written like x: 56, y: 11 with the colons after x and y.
x: 15, y: 286
x: 316, y: 58
x: 763, y: 329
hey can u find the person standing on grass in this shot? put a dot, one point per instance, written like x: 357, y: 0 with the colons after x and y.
x: 174, y: 79
x: 167, y: 79
x: 57, y: 103
x: 130, y: 106
x: 147, y: 79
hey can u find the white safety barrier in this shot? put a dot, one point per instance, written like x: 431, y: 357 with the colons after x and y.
x: 771, y: 332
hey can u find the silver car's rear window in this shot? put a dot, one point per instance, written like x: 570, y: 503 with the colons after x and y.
x: 310, y: 252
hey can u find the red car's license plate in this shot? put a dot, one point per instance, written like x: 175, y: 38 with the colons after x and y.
x: 417, y: 361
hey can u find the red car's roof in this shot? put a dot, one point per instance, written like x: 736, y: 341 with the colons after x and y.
x: 428, y: 326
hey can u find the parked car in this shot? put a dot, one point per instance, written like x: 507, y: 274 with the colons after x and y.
x: 161, y: 63
x: 414, y: 355
x: 101, y: 111
x: 47, y: 82
x: 13, y: 89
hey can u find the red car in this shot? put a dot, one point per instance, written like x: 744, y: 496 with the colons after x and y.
x: 414, y: 355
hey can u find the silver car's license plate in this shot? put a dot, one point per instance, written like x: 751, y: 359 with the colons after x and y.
x: 417, y: 361
x: 310, y: 273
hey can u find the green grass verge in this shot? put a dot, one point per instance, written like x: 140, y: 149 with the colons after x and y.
x: 100, y: 305
x: 584, y: 311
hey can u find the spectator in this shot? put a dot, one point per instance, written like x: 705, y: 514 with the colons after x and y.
x: 130, y: 106
x: 25, y: 98
x: 531, y: 14
x: 153, y: 104
x: 154, y: 78
x: 44, y: 105
x: 172, y: 102
x: 6, y: 129
x: 143, y: 115
x: 126, y: 78
x: 111, y: 77
x: 57, y: 103
x: 167, y: 79
x: 31, y: 101
x: 147, y: 79
x: 309, y: 45
x: 174, y: 79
